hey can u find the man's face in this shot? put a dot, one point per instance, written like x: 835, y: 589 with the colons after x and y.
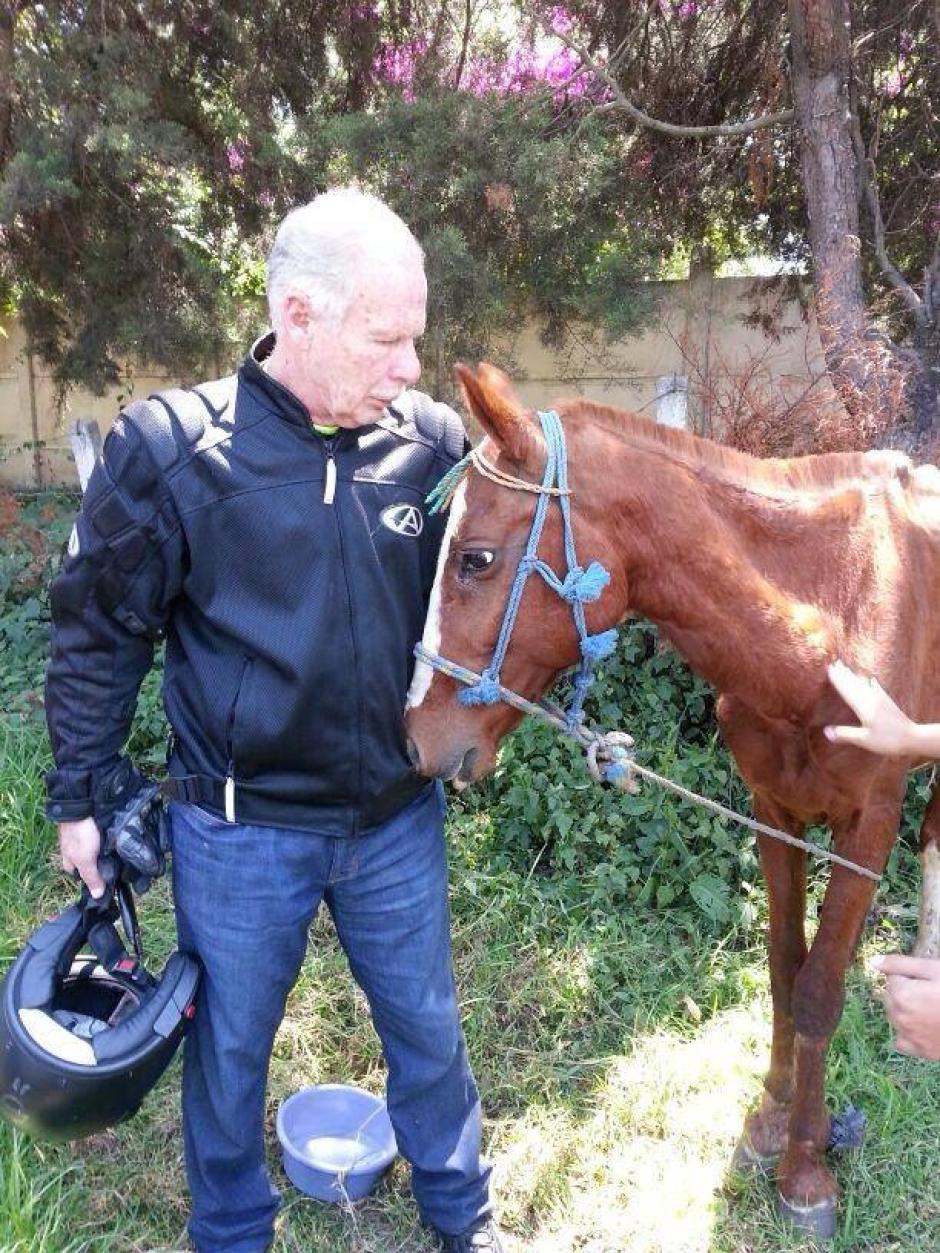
x: 357, y: 367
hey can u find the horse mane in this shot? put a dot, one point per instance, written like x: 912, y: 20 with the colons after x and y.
x: 765, y: 476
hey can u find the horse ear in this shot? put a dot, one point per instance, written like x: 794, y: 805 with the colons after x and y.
x: 492, y: 400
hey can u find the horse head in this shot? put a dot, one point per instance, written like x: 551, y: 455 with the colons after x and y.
x: 488, y: 530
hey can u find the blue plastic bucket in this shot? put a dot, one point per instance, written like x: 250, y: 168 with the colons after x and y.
x: 336, y: 1140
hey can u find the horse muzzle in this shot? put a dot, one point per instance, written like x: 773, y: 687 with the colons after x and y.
x: 458, y: 764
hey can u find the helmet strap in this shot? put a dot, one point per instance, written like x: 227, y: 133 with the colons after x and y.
x: 102, y: 936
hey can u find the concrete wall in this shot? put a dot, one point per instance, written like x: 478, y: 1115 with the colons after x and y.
x: 29, y: 411
x: 702, y: 328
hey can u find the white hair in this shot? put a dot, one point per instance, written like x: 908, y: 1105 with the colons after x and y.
x: 319, y: 248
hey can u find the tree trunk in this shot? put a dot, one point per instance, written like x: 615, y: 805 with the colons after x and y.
x: 819, y: 32
x: 877, y: 380
x: 7, y: 23
x: 923, y: 389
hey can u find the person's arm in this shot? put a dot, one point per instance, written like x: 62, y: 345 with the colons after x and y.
x: 109, y: 604
x: 912, y: 1002
x: 912, y: 992
x: 884, y: 727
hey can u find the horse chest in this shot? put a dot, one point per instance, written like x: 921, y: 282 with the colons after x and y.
x: 776, y: 760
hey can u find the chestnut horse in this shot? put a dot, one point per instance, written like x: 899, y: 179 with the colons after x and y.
x: 760, y: 572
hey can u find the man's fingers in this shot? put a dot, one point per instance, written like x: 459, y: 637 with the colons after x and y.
x: 93, y: 881
x: 89, y: 874
x: 847, y: 735
x: 841, y: 677
x: 855, y: 690
x: 908, y: 967
x: 79, y: 846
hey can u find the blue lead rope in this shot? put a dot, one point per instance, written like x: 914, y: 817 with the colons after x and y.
x: 578, y: 588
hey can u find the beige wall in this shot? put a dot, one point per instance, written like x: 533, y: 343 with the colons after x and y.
x: 700, y: 325
x: 29, y: 410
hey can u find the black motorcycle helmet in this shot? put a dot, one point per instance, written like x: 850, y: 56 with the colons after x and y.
x: 83, y: 1038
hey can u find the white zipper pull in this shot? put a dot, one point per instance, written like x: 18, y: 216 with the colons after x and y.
x: 329, y: 486
x: 229, y: 799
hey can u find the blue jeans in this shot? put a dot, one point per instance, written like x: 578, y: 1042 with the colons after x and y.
x: 245, y: 898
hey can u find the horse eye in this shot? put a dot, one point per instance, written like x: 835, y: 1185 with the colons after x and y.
x: 475, y: 561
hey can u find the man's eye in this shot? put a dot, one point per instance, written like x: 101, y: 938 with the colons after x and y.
x: 476, y: 561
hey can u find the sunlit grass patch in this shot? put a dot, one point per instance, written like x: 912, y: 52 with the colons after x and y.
x: 639, y: 1161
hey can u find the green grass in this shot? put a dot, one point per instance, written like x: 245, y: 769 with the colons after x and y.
x: 616, y: 1054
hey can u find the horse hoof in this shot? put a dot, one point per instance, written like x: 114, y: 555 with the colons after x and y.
x: 747, y: 1159
x: 818, y: 1220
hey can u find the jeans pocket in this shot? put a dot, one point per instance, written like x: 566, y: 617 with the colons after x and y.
x: 200, y: 821
x: 206, y: 818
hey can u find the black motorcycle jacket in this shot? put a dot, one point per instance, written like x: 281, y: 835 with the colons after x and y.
x: 289, y: 573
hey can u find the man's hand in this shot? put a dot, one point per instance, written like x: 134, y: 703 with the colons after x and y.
x: 912, y: 1002
x: 80, y: 844
x: 884, y: 729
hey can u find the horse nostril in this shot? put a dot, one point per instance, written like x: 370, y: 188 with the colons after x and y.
x: 413, y: 755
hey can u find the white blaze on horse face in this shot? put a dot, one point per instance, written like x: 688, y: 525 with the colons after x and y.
x: 424, y: 673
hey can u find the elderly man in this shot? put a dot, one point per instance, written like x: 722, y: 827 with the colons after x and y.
x: 270, y: 526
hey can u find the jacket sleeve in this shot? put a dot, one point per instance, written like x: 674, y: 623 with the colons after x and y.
x: 110, y: 602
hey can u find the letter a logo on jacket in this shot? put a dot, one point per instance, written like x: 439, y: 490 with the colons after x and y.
x: 403, y: 520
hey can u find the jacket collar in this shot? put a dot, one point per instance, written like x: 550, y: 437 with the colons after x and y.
x: 283, y: 401
x: 271, y: 394
x: 274, y: 394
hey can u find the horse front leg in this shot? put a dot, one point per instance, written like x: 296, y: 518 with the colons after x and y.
x: 765, y: 1129
x: 928, y: 930
x: 807, y: 1188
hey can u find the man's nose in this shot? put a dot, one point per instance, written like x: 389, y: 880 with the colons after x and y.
x: 408, y: 366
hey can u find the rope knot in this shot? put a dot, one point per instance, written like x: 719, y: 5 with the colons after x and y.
x: 597, y: 647
x: 610, y: 760
x: 582, y: 586
x: 486, y: 692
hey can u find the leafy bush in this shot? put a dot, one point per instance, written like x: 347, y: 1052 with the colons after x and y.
x: 654, y: 850
x: 33, y: 533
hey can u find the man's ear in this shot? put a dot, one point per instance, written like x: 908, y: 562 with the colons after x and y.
x: 297, y: 318
x: 493, y: 402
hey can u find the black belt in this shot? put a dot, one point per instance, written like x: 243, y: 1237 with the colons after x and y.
x: 263, y: 809
x: 196, y: 789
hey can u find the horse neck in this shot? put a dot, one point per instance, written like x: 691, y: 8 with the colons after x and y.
x: 691, y: 568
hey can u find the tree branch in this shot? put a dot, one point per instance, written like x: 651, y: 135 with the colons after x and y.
x: 464, y: 44
x: 931, y: 284
x: 621, y: 103
x: 867, y: 176
x: 8, y: 15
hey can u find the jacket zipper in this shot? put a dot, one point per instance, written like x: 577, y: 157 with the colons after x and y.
x: 229, y: 794
x: 329, y: 483
x: 329, y: 492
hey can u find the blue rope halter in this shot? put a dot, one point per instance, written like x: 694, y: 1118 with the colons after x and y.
x: 579, y: 586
